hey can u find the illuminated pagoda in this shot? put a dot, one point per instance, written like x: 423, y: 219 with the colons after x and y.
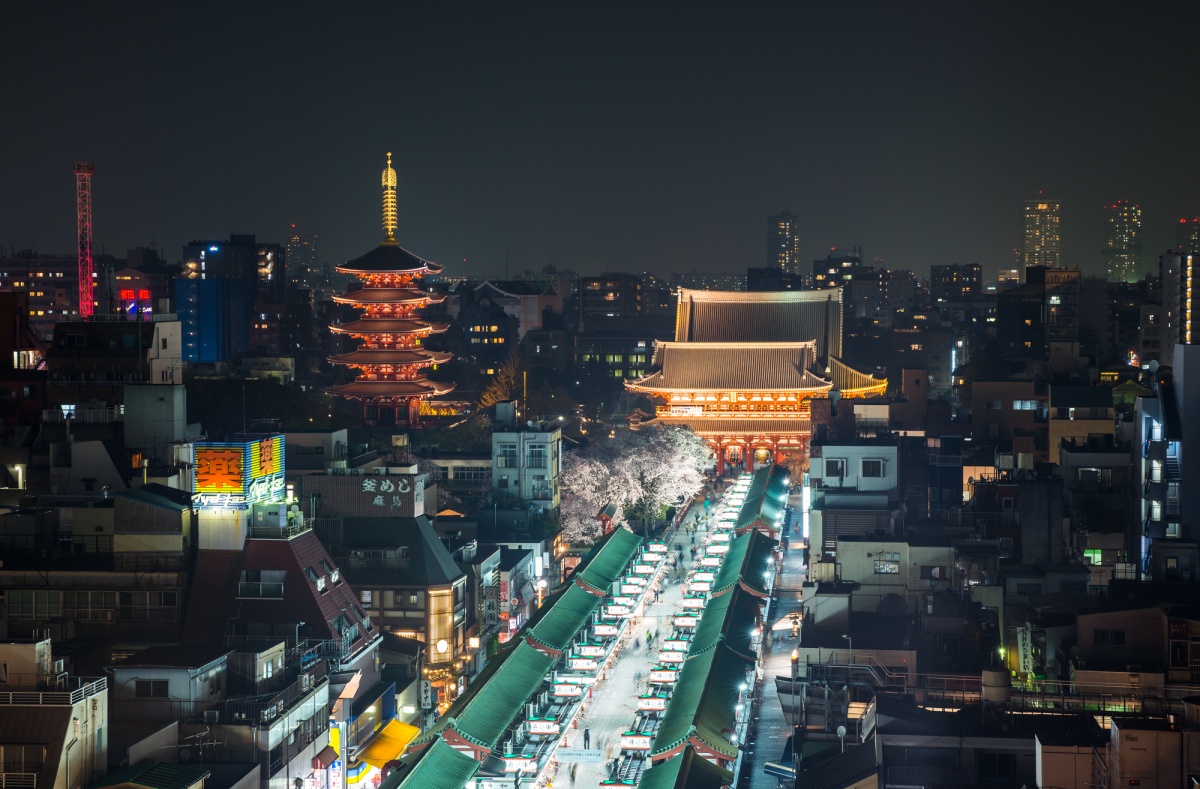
x: 391, y: 358
x: 744, y: 366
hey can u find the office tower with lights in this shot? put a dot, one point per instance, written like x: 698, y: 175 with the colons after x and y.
x: 783, y: 242
x: 1042, y: 239
x: 1122, y: 241
x: 1187, y: 236
x: 302, y: 267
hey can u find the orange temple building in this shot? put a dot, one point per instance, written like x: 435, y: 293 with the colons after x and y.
x: 744, y: 365
x: 390, y: 358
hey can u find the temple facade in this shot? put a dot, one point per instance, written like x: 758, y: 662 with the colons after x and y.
x: 744, y: 365
x: 391, y: 359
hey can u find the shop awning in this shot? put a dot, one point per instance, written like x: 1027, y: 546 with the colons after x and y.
x: 388, y: 744
x: 326, y: 757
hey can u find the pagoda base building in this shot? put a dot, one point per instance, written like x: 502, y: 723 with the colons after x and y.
x: 744, y: 366
x: 391, y: 358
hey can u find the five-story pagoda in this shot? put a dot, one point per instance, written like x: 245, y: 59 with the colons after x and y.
x: 391, y: 358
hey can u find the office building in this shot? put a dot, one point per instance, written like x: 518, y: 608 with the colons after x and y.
x: 955, y: 282
x: 302, y: 265
x: 1042, y: 239
x: 1187, y: 236
x: 1122, y: 241
x: 783, y: 242
x: 1181, y: 305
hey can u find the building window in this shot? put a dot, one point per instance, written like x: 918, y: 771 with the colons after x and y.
x: 366, y: 597
x: 151, y: 689
x: 885, y: 567
x: 412, y: 598
x: 1111, y: 638
x: 873, y: 468
x: 835, y: 467
x: 994, y: 405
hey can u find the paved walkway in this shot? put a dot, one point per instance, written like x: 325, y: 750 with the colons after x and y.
x: 613, y: 709
x: 769, y: 727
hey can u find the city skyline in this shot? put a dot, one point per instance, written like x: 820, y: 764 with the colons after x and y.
x: 623, y: 138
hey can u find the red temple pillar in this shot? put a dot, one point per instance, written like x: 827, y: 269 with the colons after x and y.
x: 719, y: 449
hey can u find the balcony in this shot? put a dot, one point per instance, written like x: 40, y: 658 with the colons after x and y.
x: 19, y: 780
x: 264, y: 709
x: 49, y: 690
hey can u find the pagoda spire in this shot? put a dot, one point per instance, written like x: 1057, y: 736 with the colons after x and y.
x: 390, y: 214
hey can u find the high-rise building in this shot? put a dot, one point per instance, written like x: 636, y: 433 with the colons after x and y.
x: 1187, y: 238
x: 302, y: 266
x: 783, y: 242
x: 955, y: 282
x: 1042, y: 242
x: 1122, y: 241
x: 1179, y: 274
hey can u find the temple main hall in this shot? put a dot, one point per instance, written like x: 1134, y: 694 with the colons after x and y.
x: 744, y: 365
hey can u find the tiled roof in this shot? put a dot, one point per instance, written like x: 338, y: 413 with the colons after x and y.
x: 420, y: 388
x: 388, y: 296
x: 387, y: 258
x: 749, y: 556
x: 686, y: 770
x: 766, y: 498
x: 741, y: 316
x: 436, y: 766
x: 848, y: 379
x: 301, y: 601
x: 429, y: 562
x: 746, y: 425
x: 565, y: 618
x: 750, y: 366
x: 727, y: 619
x: 391, y: 356
x: 702, y: 703
x: 518, y: 287
x: 493, y: 708
x: 366, y: 326
x: 602, y: 566
x: 154, y: 775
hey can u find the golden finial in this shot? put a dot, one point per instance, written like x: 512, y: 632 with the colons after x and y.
x: 390, y: 214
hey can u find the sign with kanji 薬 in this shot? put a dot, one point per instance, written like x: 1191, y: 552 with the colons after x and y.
x: 234, y: 475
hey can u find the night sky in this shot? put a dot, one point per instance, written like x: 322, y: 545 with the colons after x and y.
x: 600, y: 136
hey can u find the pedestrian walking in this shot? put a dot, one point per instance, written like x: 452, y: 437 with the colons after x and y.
x: 587, y: 739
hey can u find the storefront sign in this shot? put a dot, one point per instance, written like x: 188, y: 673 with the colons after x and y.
x: 657, y: 547
x: 491, y: 606
x: 711, y: 561
x: 1025, y: 649
x: 567, y: 690
x: 591, y: 650
x: 335, y: 774
x: 699, y: 586
x: 643, y: 569
x: 694, y: 603
x: 636, y: 741
x: 426, y: 694
x: 605, y: 629
x: 236, y: 474
x: 543, y: 726
x: 651, y: 703
x: 582, y: 664
x: 663, y: 675
x: 684, y: 620
x: 704, y: 575
x: 616, y: 610
x: 670, y: 657
x: 519, y: 764
x: 677, y: 644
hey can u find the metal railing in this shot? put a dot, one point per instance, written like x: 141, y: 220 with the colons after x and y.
x: 19, y: 780
x: 267, y: 708
x: 52, y: 690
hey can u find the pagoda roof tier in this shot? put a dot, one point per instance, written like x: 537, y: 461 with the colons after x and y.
x: 365, y: 326
x: 402, y: 356
x: 733, y: 366
x: 851, y: 381
x: 388, y: 296
x: 388, y: 258
x: 748, y: 425
x: 418, y: 388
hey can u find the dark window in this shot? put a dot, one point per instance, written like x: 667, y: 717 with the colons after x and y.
x: 151, y: 688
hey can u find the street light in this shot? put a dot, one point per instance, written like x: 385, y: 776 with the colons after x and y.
x: 841, y: 733
x: 849, y: 645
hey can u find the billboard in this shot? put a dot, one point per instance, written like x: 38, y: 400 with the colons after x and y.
x: 236, y: 474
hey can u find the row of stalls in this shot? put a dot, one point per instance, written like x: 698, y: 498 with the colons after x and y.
x: 688, y: 726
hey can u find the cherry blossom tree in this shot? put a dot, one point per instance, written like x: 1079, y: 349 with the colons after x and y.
x: 641, y: 472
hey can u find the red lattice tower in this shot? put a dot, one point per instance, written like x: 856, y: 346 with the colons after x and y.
x: 83, y: 203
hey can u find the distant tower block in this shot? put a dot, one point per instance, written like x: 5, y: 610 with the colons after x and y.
x: 391, y: 357
x: 83, y: 210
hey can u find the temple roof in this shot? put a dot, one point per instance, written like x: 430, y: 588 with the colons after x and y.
x: 388, y: 296
x: 725, y: 366
x: 746, y: 425
x: 848, y: 379
x: 420, y: 388
x: 388, y: 326
x: 391, y: 356
x: 742, y: 316
x: 388, y: 257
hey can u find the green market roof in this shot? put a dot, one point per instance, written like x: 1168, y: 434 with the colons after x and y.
x: 765, y: 499
x: 687, y: 770
x: 565, y: 618
x: 729, y: 619
x: 606, y: 563
x: 440, y: 765
x: 748, y: 557
x: 702, y: 703
x: 492, y: 709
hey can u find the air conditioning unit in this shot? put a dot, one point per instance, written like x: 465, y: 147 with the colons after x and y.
x: 212, y: 716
